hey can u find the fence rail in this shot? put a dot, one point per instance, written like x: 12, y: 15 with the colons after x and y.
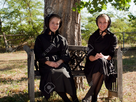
x: 129, y: 37
x: 124, y: 38
x: 13, y: 35
x: 11, y: 42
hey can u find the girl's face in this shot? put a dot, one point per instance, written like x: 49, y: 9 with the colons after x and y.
x: 54, y: 24
x: 103, y: 23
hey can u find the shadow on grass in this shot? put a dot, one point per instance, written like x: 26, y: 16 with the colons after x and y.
x: 106, y: 99
x: 23, y: 97
x: 5, y: 80
x: 2, y: 50
x: 19, y: 64
x: 129, y: 65
x: 6, y: 69
x: 129, y: 62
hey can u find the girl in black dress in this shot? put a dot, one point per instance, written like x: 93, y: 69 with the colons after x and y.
x: 51, y: 51
x: 101, y: 47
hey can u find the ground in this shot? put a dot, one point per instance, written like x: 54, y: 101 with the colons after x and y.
x: 14, y: 87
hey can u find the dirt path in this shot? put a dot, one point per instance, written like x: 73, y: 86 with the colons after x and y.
x: 129, y: 86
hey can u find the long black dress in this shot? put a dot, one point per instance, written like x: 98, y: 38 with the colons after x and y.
x: 53, y: 48
x: 105, y: 45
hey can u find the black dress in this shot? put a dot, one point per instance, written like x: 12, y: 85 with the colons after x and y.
x: 53, y: 48
x: 105, y: 45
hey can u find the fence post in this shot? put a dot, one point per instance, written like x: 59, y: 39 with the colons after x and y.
x: 5, y: 41
x: 123, y: 40
x: 120, y: 72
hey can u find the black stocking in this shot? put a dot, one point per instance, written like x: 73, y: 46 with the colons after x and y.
x: 74, y: 98
x: 64, y: 96
x: 97, y: 89
x: 95, y: 79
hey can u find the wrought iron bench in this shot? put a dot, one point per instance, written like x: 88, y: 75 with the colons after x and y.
x: 77, y: 55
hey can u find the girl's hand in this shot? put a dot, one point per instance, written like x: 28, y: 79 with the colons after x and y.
x: 52, y: 64
x: 101, y: 55
x: 98, y: 55
x: 59, y: 62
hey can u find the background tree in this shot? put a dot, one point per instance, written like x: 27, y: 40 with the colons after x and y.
x: 22, y: 17
x: 70, y: 20
x: 132, y: 19
x: 16, y: 15
x: 118, y: 26
x: 88, y: 26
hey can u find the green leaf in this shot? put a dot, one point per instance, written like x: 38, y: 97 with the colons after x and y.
x: 82, y: 3
x: 104, y: 7
x: 76, y: 3
x: 110, y: 0
x: 73, y: 8
x: 99, y: 9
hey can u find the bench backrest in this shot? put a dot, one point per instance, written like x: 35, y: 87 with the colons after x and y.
x: 77, y: 56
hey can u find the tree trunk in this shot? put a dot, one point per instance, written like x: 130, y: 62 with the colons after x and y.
x: 70, y: 20
x: 70, y: 23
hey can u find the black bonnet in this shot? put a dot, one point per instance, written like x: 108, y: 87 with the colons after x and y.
x: 102, y: 15
x: 49, y: 16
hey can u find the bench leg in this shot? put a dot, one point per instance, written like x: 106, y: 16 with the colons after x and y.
x: 31, y: 90
x: 31, y: 77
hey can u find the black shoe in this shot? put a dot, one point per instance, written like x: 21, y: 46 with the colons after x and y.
x: 89, y: 99
x: 84, y: 100
x: 76, y: 100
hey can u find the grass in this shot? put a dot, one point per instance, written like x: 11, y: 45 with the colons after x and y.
x: 129, y: 61
x: 14, y: 86
x: 129, y: 75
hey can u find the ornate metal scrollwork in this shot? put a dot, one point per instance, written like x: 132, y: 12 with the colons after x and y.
x: 77, y: 57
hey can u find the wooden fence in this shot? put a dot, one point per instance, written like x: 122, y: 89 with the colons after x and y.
x: 9, y: 45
